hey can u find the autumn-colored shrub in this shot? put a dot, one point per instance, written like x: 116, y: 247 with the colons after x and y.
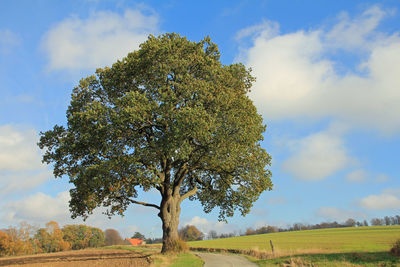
x: 395, y: 250
x: 13, y: 242
x: 30, y: 240
x: 82, y: 236
x: 179, y: 246
x: 51, y: 238
x: 5, y: 244
x: 190, y: 233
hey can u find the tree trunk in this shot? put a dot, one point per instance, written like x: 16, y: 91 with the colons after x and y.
x: 169, y: 214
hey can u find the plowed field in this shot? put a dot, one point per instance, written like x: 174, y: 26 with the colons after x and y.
x: 87, y: 257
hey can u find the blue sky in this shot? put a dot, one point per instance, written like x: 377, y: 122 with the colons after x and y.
x: 328, y: 87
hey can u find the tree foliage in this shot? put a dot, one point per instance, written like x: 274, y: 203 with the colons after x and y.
x: 350, y: 222
x: 139, y: 236
x: 112, y: 237
x: 18, y: 241
x: 5, y: 244
x: 169, y: 116
x: 51, y: 238
x: 190, y: 233
x: 212, y: 234
x: 82, y: 236
x: 27, y: 239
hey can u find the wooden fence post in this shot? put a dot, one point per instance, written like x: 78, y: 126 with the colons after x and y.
x: 272, y: 246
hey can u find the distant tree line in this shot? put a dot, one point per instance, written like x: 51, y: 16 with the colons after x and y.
x: 387, y: 220
x: 191, y: 233
x: 27, y: 239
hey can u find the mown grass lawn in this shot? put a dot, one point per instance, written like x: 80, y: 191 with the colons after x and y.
x: 351, y: 239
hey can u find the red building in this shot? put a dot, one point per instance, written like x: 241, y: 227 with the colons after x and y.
x: 135, y: 241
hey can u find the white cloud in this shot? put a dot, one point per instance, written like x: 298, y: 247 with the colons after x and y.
x: 8, y: 40
x: 384, y: 201
x: 41, y: 208
x: 351, y: 34
x: 317, y: 156
x: 297, y: 73
x: 20, y: 160
x: 361, y: 176
x: 357, y: 176
x: 97, y: 41
x: 18, y: 149
x: 267, y: 29
x: 340, y: 215
x: 206, y: 226
x: 12, y: 182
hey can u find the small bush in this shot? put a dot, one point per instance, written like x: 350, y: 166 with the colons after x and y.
x: 396, y: 248
x: 178, y: 246
x: 181, y: 246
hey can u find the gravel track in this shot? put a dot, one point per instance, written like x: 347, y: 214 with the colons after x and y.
x: 224, y: 260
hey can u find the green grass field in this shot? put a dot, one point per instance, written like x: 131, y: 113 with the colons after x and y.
x: 355, y: 246
x: 352, y: 239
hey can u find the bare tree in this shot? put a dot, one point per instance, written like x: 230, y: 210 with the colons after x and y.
x: 212, y: 234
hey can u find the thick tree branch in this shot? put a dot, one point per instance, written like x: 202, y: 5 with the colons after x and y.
x: 188, y: 194
x: 180, y: 175
x: 159, y: 188
x: 144, y: 204
x: 166, y: 183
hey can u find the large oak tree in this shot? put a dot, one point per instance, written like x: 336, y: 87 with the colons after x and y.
x: 171, y: 117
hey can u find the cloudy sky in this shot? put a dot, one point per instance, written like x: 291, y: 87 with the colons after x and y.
x: 328, y: 87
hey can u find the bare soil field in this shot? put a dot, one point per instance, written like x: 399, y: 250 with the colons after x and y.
x: 87, y: 257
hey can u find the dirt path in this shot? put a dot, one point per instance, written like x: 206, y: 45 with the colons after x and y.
x: 222, y: 260
x: 89, y: 257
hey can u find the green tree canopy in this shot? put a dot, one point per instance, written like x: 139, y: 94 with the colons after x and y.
x: 169, y: 116
x: 82, y: 236
x: 138, y: 235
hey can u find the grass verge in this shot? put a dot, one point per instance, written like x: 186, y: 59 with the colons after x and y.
x: 368, y: 259
x: 187, y: 259
x: 160, y: 260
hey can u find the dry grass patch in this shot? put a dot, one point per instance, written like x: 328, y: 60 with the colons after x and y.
x: 395, y: 250
x: 160, y: 260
